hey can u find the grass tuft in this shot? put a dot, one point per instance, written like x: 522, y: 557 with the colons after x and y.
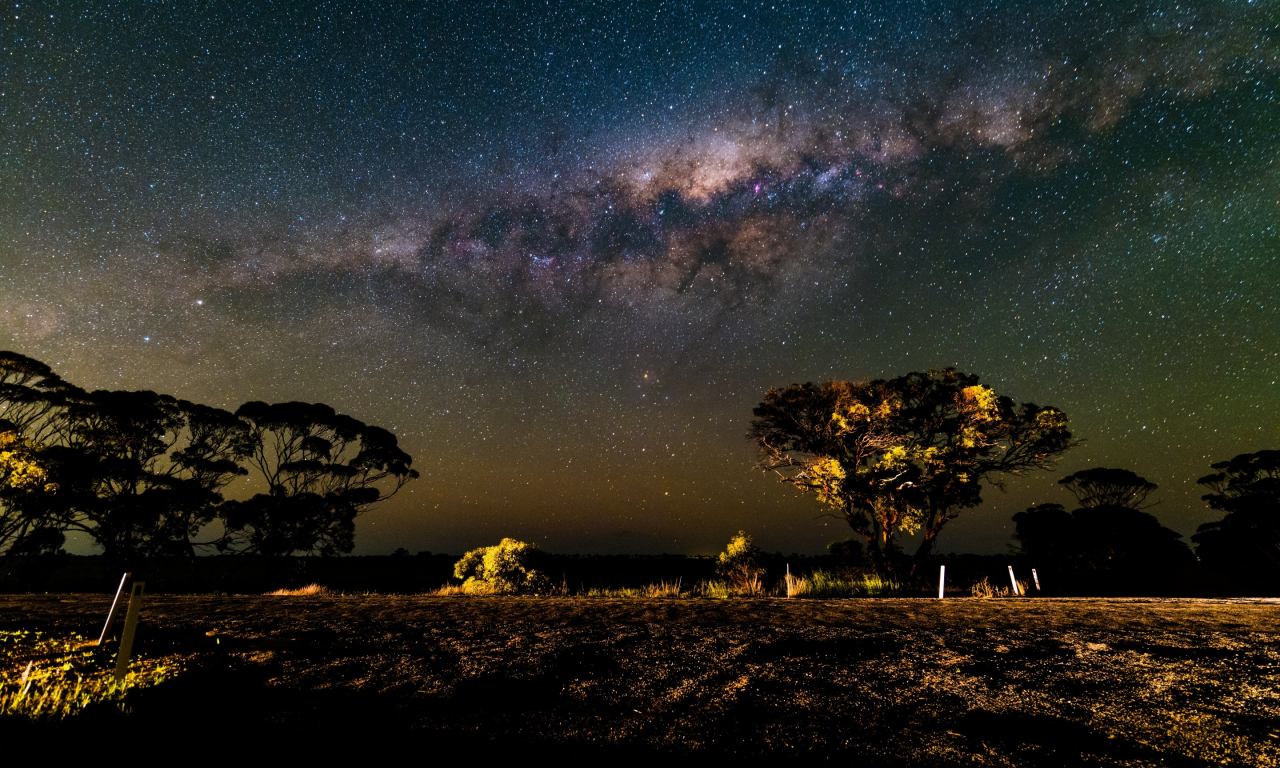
x: 823, y: 584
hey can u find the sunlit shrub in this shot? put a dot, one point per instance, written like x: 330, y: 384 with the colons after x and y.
x: 508, y: 568
x: 739, y: 564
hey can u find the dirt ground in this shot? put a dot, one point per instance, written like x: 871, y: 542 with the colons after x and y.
x: 889, y: 682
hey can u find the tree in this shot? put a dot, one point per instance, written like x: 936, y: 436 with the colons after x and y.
x: 961, y: 433
x: 1246, y: 490
x: 905, y: 455
x: 1047, y: 533
x: 32, y: 396
x: 144, y: 471
x: 1108, y: 532
x: 321, y: 469
x: 1101, y: 486
x: 25, y: 485
x: 842, y: 442
x: 739, y: 563
x: 509, y: 568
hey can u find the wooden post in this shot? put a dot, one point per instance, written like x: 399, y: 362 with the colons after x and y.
x: 942, y: 581
x: 1035, y: 578
x: 1016, y: 592
x: 130, y: 627
x: 115, y: 608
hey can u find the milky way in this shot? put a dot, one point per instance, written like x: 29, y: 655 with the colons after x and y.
x: 562, y: 248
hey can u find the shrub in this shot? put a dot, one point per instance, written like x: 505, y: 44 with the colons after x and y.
x: 508, y: 568
x: 739, y: 564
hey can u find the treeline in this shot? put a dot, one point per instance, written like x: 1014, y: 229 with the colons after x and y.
x: 144, y: 474
x: 1110, y: 532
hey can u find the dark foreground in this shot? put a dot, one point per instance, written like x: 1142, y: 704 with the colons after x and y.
x: 886, y: 682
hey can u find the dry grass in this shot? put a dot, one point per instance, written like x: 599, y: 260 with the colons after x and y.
x: 310, y: 590
x: 986, y: 590
x: 663, y: 589
x: 824, y: 585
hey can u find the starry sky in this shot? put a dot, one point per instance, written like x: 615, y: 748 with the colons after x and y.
x: 561, y: 249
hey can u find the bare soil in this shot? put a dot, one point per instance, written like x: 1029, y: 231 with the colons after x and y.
x: 887, y: 682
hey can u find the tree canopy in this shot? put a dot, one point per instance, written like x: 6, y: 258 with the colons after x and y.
x: 1246, y: 490
x: 1108, y: 532
x: 896, y: 457
x: 1100, y: 487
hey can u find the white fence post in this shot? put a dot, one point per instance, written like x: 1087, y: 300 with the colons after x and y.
x: 942, y: 582
x: 130, y: 627
x: 1035, y: 578
x: 115, y: 608
x: 1013, y: 580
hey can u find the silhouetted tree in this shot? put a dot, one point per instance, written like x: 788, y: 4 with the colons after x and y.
x: 1246, y: 540
x: 905, y: 455
x: 1102, y: 487
x: 322, y: 469
x: 143, y: 473
x: 1106, y: 533
x: 32, y: 397
x: 148, y: 470
x: 1048, y: 534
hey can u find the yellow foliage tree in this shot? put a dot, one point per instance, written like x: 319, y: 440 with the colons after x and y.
x: 902, y: 456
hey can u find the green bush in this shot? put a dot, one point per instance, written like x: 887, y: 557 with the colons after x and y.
x: 508, y: 568
x: 740, y: 565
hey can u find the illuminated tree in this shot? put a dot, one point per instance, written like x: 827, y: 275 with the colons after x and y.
x: 25, y: 486
x: 841, y: 441
x: 321, y: 470
x: 1246, y: 490
x: 962, y: 434
x: 905, y: 455
x: 739, y: 563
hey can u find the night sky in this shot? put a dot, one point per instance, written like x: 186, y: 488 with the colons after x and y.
x: 562, y: 249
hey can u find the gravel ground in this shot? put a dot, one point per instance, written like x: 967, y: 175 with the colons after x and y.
x: 894, y: 682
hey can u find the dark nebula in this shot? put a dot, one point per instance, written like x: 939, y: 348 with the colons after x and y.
x: 563, y: 248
